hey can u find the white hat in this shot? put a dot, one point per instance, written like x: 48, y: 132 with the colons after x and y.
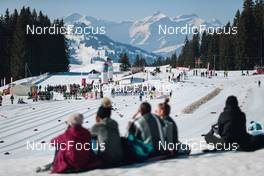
x: 75, y: 119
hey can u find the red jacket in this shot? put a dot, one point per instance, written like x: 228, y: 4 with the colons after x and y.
x: 68, y: 157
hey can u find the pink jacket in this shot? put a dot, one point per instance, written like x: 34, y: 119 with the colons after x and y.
x: 68, y: 157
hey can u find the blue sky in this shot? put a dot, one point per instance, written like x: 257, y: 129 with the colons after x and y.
x: 122, y: 10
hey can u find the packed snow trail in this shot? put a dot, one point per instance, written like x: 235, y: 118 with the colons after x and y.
x: 48, y: 118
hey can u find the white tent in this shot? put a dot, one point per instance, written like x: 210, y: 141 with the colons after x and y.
x: 21, y: 89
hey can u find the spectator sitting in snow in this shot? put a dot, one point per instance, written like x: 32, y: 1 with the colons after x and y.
x: 107, y: 133
x: 146, y: 128
x: 67, y: 157
x: 163, y: 111
x: 170, y: 129
x: 232, y: 129
x: 21, y: 101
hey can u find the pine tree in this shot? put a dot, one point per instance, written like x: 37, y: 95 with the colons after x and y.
x: 259, y: 16
x: 204, y: 48
x: 19, y: 48
x: 42, y: 53
x: 248, y: 36
x: 124, y: 62
x: 173, y: 61
x: 226, y: 51
x: 137, y: 62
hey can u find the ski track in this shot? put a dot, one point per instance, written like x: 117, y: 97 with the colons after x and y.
x: 49, y: 111
x: 21, y: 120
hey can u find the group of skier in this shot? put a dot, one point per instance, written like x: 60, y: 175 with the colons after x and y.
x: 145, y: 132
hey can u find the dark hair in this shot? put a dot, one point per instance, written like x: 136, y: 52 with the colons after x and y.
x: 145, y: 108
x: 232, y: 101
x: 104, y: 112
x: 165, y: 106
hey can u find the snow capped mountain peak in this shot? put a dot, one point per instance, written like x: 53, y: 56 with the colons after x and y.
x: 159, y: 15
x: 216, y: 22
x: 144, y: 33
x: 155, y: 17
x: 187, y: 16
x: 73, y: 18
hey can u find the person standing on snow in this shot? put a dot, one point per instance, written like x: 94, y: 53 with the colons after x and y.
x: 1, y: 100
x: 12, y: 99
x: 141, y: 95
x: 259, y: 83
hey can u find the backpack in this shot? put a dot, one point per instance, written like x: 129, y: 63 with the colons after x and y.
x: 254, y: 126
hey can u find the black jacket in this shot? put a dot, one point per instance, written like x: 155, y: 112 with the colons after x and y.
x: 232, y: 126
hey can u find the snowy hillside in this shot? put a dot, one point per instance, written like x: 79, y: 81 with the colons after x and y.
x: 87, y: 47
x: 144, y: 33
x: 43, y: 120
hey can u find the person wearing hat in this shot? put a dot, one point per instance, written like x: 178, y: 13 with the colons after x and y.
x: 69, y: 157
x: 107, y: 133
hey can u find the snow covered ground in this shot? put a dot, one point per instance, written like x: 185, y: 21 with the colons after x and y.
x: 43, y: 120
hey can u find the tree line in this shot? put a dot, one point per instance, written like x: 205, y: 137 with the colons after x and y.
x: 23, y: 54
x: 226, y: 51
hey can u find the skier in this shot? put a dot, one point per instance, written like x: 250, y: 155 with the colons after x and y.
x: 12, y: 99
x: 141, y: 95
x: 170, y: 93
x: 95, y: 94
x: 1, y: 100
x: 35, y: 97
x: 259, y: 83
x: 101, y: 94
x: 113, y: 93
x: 151, y: 95
x: 169, y: 78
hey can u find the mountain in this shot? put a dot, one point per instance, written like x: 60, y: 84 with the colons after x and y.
x: 86, y: 48
x: 146, y: 33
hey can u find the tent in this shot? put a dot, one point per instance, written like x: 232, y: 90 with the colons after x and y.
x: 22, y: 89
